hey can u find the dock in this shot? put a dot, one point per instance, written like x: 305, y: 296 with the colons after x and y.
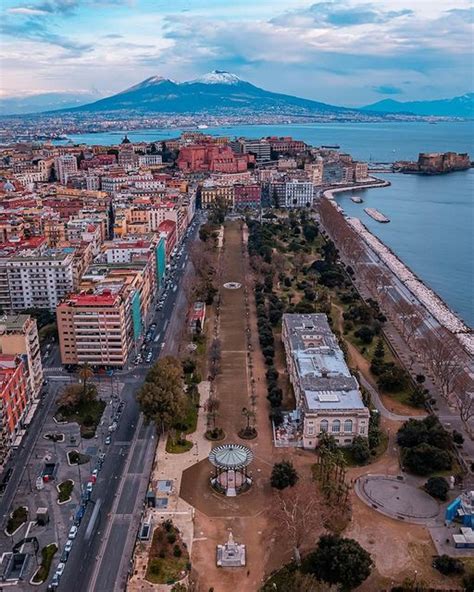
x: 376, y: 215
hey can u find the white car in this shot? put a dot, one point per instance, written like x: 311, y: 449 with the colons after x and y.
x: 89, y: 487
x: 72, y: 532
x: 60, y: 569
x: 113, y: 427
x: 95, y: 473
x: 68, y: 546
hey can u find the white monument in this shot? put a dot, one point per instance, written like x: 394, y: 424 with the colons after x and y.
x: 230, y: 554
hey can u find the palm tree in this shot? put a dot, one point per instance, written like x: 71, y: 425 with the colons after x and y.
x: 85, y: 372
x: 248, y: 414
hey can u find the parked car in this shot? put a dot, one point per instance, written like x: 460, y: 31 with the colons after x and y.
x: 72, y: 532
x: 60, y: 569
x: 113, y: 426
x: 68, y: 546
x: 108, y: 440
x: 89, y: 487
x: 102, y: 456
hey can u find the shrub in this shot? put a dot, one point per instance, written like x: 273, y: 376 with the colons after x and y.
x: 177, y: 551
x: 360, y: 449
x: 425, y: 459
x: 283, y: 475
x: 448, y: 565
x: 365, y: 334
x: 437, y: 487
x: 171, y: 538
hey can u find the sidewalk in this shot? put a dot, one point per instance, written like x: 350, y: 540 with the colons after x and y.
x: 170, y: 467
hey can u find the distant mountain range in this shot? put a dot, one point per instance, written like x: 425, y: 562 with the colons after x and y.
x: 217, y: 92
x: 223, y: 93
x: 44, y: 102
x: 462, y: 106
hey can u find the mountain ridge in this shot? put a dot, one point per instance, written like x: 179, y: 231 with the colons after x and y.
x: 460, y: 106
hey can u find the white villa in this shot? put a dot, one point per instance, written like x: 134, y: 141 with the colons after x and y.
x: 327, y: 395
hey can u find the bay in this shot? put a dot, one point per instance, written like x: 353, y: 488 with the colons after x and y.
x: 432, y: 218
x: 430, y: 230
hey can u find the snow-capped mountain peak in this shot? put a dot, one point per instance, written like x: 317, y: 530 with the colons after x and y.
x: 151, y: 81
x: 218, y: 77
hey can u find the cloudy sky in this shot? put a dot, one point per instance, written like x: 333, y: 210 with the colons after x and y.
x: 347, y: 52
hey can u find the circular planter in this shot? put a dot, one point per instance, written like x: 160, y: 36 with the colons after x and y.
x: 209, y: 437
x: 248, y: 434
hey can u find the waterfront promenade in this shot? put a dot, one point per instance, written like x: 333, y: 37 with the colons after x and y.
x: 426, y: 339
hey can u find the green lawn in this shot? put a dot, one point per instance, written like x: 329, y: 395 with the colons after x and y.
x: 47, y: 554
x: 164, y: 567
x: 65, y: 490
x: 19, y: 516
x: 178, y: 446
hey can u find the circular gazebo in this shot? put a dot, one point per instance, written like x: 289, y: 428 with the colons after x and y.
x: 231, y: 462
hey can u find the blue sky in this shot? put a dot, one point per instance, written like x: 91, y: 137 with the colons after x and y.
x: 346, y: 52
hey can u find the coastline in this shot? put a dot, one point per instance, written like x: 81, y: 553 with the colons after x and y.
x: 426, y: 296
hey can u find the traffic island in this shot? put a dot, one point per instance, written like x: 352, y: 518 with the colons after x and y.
x: 42, y: 573
x: 17, y: 518
x: 64, y: 491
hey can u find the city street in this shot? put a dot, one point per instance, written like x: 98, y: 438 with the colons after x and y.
x: 102, y: 549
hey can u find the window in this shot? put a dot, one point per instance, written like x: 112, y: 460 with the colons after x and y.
x: 348, y: 425
x: 362, y: 430
x: 324, y: 425
x: 336, y: 426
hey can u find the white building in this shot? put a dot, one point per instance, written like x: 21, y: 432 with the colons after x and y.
x: 326, y: 393
x: 150, y: 159
x: 65, y: 165
x: 293, y: 193
x: 40, y: 280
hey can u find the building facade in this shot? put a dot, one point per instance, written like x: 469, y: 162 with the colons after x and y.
x: 327, y: 395
x: 19, y: 337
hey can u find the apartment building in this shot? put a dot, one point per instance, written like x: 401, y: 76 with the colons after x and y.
x: 19, y: 337
x: 210, y: 195
x: 65, y: 165
x: 95, y: 329
x: 40, y: 280
x: 293, y: 193
x: 13, y: 400
x: 327, y: 395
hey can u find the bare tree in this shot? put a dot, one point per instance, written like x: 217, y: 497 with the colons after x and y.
x: 214, y: 358
x: 464, y: 396
x: 299, y: 513
x: 442, y: 352
x: 211, y: 407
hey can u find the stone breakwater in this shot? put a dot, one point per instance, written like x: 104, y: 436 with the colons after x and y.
x: 374, y: 182
x: 429, y: 299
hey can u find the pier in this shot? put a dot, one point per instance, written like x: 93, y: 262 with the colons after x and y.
x: 376, y: 215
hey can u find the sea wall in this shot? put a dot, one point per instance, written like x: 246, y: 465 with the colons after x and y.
x: 426, y: 297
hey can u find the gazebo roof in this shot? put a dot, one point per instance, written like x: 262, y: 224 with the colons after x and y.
x: 231, y: 456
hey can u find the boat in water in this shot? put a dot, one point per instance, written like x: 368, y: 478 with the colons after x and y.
x: 376, y: 215
x: 356, y: 199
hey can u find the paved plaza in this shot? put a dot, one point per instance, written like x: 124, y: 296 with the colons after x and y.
x: 396, y: 498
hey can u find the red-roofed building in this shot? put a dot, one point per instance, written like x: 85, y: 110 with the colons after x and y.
x: 212, y: 157
x: 167, y: 230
